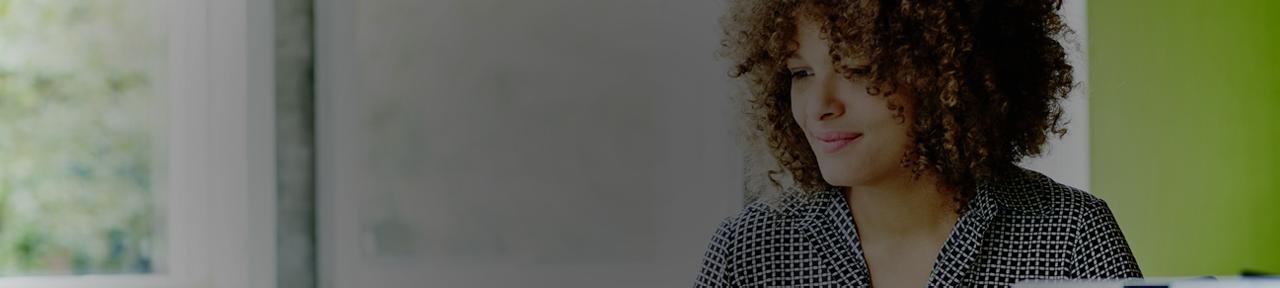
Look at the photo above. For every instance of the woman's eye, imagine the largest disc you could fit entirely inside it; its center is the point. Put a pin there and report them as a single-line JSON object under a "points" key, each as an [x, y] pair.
{"points": [[801, 74]]}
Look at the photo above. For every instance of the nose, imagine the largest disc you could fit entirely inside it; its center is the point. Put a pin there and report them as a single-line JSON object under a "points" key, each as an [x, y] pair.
{"points": [[824, 101]]}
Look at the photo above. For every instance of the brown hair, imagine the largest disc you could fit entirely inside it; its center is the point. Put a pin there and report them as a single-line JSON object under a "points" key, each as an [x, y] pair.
{"points": [[987, 79]]}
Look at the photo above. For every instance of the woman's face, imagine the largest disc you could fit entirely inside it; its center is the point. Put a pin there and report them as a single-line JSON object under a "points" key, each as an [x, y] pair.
{"points": [[857, 139]]}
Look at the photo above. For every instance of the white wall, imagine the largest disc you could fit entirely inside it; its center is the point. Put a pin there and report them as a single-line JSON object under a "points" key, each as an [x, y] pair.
{"points": [[520, 143], [1068, 158]]}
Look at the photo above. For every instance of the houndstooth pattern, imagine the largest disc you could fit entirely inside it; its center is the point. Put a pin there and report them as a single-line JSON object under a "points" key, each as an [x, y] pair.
{"points": [[1028, 228]]}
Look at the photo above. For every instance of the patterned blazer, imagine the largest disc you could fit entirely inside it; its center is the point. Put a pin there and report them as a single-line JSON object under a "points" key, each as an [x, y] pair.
{"points": [[1028, 228]]}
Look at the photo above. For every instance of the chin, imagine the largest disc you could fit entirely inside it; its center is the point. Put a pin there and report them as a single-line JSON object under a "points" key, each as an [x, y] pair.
{"points": [[840, 177], [855, 175]]}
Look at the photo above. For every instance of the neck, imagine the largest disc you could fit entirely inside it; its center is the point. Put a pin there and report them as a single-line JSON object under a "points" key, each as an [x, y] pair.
{"points": [[903, 207]]}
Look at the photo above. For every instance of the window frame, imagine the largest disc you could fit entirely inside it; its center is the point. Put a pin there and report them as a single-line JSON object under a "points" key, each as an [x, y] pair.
{"points": [[219, 216]]}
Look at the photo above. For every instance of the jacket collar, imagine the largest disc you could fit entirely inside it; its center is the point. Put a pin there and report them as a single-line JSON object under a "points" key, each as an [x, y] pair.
{"points": [[952, 267], [1022, 191], [828, 224]]}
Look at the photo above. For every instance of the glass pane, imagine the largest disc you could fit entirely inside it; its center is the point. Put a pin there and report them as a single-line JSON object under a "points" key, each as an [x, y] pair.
{"points": [[79, 136]]}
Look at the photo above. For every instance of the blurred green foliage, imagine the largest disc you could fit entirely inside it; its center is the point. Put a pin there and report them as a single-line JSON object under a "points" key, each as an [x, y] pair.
{"points": [[79, 132]]}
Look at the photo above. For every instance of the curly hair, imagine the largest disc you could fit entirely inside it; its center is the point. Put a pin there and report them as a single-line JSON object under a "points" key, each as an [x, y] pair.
{"points": [[987, 78]]}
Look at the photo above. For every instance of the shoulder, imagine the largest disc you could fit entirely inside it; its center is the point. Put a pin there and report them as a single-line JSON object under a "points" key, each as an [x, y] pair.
{"points": [[772, 215], [746, 245], [1061, 203], [1032, 195], [1096, 246], [1030, 192]]}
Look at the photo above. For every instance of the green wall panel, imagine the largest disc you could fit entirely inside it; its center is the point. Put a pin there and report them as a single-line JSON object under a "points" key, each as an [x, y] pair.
{"points": [[1185, 131]]}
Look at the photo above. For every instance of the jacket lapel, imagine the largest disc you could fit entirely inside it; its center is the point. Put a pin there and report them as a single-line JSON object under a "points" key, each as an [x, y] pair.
{"points": [[842, 254], [837, 247], [963, 245]]}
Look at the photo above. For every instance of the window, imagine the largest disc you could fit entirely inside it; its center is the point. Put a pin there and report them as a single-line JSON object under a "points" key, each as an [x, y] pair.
{"points": [[172, 90], [81, 83]]}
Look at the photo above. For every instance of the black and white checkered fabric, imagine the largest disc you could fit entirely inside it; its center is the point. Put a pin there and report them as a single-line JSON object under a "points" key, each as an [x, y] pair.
{"points": [[1028, 228]]}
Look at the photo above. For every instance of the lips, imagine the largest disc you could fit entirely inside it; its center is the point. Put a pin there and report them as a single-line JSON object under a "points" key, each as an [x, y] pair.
{"points": [[832, 141]]}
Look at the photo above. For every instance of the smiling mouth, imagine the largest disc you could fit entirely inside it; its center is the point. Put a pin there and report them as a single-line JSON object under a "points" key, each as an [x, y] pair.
{"points": [[831, 142]]}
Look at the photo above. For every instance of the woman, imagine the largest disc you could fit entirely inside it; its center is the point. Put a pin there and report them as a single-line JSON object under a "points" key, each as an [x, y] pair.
{"points": [[899, 125]]}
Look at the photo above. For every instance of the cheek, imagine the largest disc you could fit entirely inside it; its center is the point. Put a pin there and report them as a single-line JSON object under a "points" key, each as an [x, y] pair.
{"points": [[894, 129]]}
